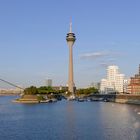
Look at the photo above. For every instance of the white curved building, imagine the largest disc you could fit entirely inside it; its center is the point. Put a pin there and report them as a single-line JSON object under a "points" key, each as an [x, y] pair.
{"points": [[114, 81]]}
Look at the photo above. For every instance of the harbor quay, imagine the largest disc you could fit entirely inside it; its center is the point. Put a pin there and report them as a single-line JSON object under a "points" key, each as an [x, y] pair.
{"points": [[124, 98], [119, 98]]}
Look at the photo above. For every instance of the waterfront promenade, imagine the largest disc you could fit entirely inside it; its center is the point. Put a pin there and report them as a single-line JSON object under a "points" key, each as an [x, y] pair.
{"points": [[120, 98]]}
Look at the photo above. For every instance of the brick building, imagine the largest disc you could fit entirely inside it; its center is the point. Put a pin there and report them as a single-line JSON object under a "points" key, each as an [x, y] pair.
{"points": [[134, 86]]}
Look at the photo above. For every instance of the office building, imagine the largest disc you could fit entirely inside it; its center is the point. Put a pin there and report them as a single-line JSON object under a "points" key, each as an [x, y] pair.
{"points": [[114, 81], [49, 82], [134, 86]]}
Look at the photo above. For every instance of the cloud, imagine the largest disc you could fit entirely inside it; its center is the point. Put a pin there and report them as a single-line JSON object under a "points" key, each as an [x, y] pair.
{"points": [[106, 62], [112, 60], [110, 55], [94, 55], [101, 60], [104, 65]]}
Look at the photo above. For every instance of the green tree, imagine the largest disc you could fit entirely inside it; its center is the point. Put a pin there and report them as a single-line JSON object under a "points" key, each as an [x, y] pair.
{"points": [[31, 90], [46, 90], [86, 91], [40, 98]]}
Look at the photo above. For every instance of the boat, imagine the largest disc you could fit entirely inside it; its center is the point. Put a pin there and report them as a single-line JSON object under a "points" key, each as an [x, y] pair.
{"points": [[94, 99], [44, 101], [80, 100], [138, 113], [48, 101], [71, 98], [105, 100]]}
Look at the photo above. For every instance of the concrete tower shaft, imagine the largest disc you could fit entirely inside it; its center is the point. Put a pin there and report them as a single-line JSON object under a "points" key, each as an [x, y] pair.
{"points": [[139, 69], [70, 38]]}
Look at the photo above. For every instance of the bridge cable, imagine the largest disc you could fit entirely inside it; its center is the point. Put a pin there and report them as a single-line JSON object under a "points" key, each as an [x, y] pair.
{"points": [[9, 83]]}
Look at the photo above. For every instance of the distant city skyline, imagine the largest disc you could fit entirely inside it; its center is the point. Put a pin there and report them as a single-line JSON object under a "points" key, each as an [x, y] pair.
{"points": [[33, 46]]}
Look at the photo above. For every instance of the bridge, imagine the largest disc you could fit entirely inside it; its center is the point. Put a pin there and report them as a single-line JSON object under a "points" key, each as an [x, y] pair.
{"points": [[3, 92]]}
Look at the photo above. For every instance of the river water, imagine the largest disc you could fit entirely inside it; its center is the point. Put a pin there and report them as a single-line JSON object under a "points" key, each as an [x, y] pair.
{"points": [[68, 120]]}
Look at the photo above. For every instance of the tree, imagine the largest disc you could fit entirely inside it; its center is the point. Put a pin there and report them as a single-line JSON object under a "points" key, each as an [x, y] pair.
{"points": [[40, 98], [86, 91], [31, 90], [46, 90]]}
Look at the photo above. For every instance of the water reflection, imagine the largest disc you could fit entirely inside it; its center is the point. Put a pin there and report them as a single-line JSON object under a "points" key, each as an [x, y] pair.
{"points": [[69, 120], [120, 121]]}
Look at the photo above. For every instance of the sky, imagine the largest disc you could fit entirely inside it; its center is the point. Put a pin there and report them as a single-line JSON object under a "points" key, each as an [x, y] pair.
{"points": [[33, 44]]}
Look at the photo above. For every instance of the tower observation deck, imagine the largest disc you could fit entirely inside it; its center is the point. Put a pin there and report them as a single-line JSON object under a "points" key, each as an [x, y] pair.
{"points": [[70, 38]]}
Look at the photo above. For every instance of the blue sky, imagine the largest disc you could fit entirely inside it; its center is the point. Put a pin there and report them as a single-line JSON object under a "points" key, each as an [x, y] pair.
{"points": [[33, 46]]}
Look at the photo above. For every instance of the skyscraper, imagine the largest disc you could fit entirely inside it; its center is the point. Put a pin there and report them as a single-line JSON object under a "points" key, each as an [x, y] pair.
{"points": [[70, 41], [49, 82]]}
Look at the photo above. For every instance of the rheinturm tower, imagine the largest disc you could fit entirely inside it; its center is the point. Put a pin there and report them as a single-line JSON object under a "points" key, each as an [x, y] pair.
{"points": [[70, 40]]}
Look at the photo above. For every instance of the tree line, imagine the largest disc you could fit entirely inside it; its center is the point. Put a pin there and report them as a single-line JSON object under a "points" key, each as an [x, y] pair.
{"points": [[49, 90]]}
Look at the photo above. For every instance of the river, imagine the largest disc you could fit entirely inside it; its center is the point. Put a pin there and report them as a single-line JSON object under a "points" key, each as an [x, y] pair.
{"points": [[68, 120]]}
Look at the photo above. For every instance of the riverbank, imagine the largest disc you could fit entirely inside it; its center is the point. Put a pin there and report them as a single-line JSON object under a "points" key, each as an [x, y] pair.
{"points": [[27, 99], [120, 98], [128, 99], [9, 94], [33, 99], [123, 98]]}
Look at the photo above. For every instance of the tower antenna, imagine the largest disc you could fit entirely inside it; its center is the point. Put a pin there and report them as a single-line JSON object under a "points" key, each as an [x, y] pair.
{"points": [[70, 25]]}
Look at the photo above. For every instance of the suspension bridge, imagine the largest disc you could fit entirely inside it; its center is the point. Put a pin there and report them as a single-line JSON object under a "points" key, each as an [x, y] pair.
{"points": [[12, 84]]}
